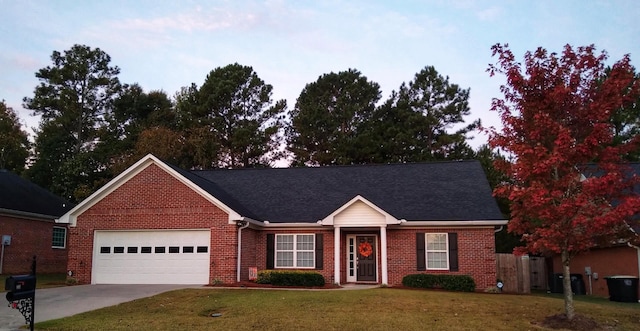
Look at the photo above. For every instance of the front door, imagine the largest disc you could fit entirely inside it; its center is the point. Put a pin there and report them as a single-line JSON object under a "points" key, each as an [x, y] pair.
{"points": [[366, 258]]}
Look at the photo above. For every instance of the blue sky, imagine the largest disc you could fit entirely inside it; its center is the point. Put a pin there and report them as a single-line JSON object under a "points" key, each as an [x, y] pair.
{"points": [[164, 45]]}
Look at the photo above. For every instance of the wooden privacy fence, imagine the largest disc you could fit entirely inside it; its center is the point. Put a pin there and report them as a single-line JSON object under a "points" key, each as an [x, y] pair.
{"points": [[521, 274]]}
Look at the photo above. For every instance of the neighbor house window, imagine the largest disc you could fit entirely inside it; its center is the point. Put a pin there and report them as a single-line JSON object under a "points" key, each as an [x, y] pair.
{"points": [[295, 251], [59, 237], [437, 253]]}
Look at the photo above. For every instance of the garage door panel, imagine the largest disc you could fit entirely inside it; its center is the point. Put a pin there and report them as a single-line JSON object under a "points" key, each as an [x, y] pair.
{"points": [[151, 257]]}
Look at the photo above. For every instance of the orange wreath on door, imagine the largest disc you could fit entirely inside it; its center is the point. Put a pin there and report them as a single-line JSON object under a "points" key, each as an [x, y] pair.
{"points": [[365, 249]]}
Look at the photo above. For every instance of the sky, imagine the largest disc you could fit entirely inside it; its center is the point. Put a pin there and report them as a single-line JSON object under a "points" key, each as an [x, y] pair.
{"points": [[165, 45]]}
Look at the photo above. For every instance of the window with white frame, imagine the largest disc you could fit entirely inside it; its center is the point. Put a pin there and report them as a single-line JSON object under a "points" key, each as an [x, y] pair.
{"points": [[59, 239], [437, 251], [295, 251]]}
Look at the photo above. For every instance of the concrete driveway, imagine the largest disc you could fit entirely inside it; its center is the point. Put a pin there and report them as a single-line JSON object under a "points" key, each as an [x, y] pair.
{"points": [[58, 302]]}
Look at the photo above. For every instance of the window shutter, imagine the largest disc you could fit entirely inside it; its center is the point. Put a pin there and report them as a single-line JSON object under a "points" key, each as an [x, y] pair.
{"points": [[319, 251], [271, 245], [420, 253], [453, 251]]}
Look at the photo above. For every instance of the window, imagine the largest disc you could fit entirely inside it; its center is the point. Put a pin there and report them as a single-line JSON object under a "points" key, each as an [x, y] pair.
{"points": [[295, 251], [118, 250], [59, 237], [202, 249], [145, 250], [187, 249], [159, 249], [174, 249], [132, 250], [437, 251], [105, 250]]}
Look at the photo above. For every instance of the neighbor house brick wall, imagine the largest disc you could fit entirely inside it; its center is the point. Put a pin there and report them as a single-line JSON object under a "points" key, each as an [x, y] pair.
{"points": [[153, 199], [610, 261], [476, 254], [28, 238]]}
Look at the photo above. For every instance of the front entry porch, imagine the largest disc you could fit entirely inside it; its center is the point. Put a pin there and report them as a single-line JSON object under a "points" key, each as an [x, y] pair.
{"points": [[361, 258], [363, 255]]}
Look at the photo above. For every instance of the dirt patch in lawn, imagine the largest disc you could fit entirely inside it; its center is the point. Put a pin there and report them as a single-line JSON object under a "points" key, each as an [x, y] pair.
{"points": [[579, 322]]}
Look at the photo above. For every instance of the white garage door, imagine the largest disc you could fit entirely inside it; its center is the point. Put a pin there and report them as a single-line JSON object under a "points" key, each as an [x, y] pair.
{"points": [[151, 257]]}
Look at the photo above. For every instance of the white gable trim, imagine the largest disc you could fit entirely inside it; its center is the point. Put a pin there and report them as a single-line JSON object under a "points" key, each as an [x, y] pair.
{"points": [[71, 216], [389, 219]]}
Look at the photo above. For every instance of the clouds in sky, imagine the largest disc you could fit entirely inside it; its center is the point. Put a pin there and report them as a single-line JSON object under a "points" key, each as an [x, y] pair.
{"points": [[169, 44]]}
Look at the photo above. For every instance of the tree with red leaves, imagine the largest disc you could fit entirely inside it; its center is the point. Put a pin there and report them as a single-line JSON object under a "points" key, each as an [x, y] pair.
{"points": [[570, 189]]}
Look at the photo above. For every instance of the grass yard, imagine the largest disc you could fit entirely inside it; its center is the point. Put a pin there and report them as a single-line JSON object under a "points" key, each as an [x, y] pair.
{"points": [[375, 309], [43, 280]]}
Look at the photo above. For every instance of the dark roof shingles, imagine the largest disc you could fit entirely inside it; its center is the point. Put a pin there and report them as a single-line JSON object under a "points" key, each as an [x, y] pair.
{"points": [[415, 191], [21, 195]]}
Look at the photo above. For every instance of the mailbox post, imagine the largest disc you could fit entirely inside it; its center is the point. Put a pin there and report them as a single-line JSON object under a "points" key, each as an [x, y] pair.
{"points": [[21, 293]]}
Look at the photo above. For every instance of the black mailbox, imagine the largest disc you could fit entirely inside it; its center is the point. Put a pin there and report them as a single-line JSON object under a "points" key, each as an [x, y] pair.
{"points": [[15, 296], [20, 283]]}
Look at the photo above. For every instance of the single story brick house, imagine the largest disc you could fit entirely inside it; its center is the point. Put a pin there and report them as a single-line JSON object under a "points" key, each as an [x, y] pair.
{"points": [[622, 258], [27, 227], [156, 223]]}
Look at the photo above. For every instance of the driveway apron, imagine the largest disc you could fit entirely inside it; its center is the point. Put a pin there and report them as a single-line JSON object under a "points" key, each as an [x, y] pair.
{"points": [[58, 302]]}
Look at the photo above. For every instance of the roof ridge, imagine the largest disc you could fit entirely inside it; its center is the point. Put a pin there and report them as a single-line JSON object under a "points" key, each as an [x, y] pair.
{"points": [[367, 165]]}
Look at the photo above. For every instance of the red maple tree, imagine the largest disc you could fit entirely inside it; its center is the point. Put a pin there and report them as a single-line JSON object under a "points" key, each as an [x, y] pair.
{"points": [[570, 189]]}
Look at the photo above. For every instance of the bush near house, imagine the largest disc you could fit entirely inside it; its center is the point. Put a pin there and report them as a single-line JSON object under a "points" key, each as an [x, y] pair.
{"points": [[461, 283], [290, 278]]}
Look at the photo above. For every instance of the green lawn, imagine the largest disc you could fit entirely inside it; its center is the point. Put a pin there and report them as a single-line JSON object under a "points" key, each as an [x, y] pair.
{"points": [[374, 309], [43, 280]]}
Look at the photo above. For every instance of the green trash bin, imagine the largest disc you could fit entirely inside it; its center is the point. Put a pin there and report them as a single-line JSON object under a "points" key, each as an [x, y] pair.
{"points": [[623, 288]]}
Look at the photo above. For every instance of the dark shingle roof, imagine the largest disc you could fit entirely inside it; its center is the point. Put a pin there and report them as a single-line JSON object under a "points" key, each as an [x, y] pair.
{"points": [[416, 191], [20, 195]]}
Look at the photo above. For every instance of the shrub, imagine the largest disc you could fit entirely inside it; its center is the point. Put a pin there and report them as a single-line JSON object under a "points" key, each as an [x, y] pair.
{"points": [[462, 283], [290, 278]]}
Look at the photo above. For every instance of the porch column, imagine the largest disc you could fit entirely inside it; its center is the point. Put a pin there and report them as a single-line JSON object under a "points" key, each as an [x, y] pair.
{"points": [[336, 255], [383, 252]]}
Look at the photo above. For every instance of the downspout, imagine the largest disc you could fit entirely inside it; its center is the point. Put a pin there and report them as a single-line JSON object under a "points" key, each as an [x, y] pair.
{"points": [[241, 225], [638, 254], [498, 229]]}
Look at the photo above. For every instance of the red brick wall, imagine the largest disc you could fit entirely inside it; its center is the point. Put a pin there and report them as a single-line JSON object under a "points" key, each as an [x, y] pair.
{"points": [[606, 262], [248, 258], [154, 199], [476, 254], [29, 238], [260, 249]]}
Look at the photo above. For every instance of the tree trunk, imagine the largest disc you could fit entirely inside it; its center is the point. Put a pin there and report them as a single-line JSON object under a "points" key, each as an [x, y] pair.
{"points": [[566, 285]]}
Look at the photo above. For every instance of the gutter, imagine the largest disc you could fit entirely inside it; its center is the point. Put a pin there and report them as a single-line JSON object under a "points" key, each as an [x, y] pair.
{"points": [[454, 223], [241, 225], [26, 214]]}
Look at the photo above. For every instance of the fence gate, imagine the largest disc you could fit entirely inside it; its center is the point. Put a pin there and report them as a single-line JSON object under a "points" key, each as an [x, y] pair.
{"points": [[514, 273], [537, 267]]}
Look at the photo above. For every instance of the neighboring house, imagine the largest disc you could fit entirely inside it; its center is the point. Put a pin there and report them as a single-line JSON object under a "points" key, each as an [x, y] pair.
{"points": [[156, 223], [620, 259], [27, 227]]}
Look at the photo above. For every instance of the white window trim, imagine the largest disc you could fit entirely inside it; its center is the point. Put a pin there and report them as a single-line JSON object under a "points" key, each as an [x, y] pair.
{"points": [[426, 250], [295, 251], [64, 244]]}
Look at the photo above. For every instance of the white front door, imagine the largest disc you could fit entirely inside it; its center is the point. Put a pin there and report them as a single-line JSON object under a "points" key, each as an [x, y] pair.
{"points": [[151, 257]]}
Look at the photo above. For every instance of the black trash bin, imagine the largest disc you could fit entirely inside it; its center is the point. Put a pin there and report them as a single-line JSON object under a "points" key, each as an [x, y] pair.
{"points": [[577, 284], [555, 283], [623, 288]]}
